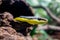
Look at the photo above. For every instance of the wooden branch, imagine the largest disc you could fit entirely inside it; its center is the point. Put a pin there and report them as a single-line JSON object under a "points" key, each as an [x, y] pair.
{"points": [[47, 27], [56, 19]]}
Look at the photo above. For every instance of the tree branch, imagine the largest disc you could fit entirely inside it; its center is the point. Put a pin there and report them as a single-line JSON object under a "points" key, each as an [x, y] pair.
{"points": [[46, 27], [56, 19]]}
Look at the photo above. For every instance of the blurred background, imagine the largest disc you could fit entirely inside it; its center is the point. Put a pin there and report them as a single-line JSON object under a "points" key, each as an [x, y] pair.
{"points": [[52, 5], [49, 9]]}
